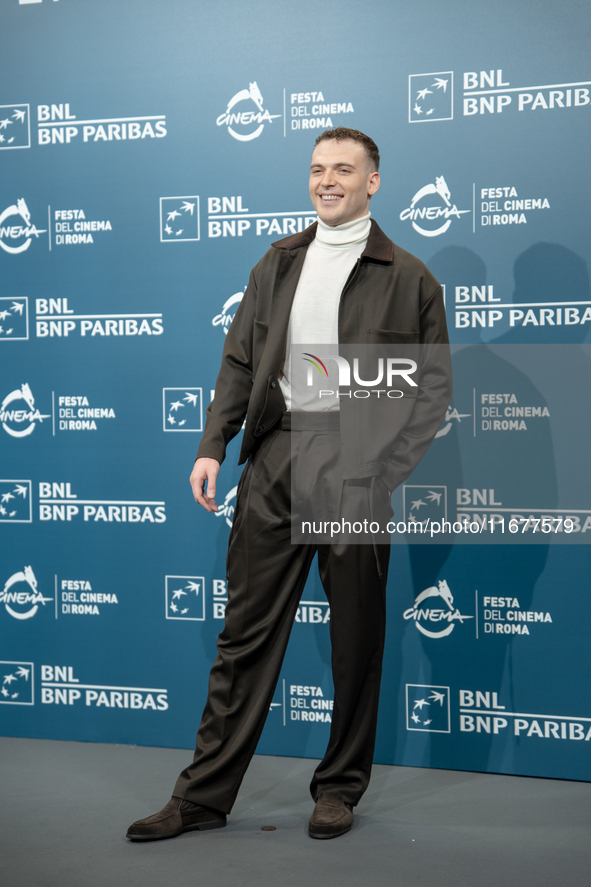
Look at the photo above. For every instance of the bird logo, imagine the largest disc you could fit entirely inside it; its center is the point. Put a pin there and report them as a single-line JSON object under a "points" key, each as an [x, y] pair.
{"points": [[17, 686], [179, 218], [182, 409], [427, 708], [426, 504], [14, 127], [429, 96], [186, 598]]}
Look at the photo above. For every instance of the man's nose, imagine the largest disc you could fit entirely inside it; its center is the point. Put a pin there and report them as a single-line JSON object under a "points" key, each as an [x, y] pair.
{"points": [[328, 179]]}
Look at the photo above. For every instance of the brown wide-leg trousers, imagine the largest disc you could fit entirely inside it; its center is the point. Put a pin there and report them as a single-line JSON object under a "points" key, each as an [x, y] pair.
{"points": [[266, 577]]}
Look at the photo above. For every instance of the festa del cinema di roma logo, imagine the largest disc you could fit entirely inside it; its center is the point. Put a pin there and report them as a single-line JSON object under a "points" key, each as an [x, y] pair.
{"points": [[229, 308], [430, 216], [22, 604], [241, 120], [448, 614], [20, 234], [12, 419]]}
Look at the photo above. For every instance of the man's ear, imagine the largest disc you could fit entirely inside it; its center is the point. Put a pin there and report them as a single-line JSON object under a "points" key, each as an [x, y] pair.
{"points": [[373, 184]]}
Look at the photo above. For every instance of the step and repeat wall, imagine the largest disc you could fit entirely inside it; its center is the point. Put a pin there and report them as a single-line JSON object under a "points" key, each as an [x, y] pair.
{"points": [[150, 153]]}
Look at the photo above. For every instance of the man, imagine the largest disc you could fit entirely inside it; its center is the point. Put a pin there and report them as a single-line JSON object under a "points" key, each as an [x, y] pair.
{"points": [[341, 281]]}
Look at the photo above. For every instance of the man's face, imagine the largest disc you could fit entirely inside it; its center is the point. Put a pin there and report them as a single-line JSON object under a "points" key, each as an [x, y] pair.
{"points": [[341, 181]]}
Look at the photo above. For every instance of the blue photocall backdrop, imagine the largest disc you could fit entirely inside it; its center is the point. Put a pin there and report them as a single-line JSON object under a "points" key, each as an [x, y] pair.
{"points": [[151, 151]]}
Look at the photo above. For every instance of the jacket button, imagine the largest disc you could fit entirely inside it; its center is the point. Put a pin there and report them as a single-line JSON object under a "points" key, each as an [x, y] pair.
{"points": [[260, 429], [273, 384]]}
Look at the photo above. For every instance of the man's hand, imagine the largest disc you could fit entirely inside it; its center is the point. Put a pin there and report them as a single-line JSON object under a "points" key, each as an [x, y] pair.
{"points": [[205, 470]]}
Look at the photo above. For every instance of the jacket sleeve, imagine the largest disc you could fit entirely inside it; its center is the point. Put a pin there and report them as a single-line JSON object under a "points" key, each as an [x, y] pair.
{"points": [[225, 414], [432, 399]]}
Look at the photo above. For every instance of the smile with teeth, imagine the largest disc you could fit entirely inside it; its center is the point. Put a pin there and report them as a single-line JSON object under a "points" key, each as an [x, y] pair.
{"points": [[331, 196]]}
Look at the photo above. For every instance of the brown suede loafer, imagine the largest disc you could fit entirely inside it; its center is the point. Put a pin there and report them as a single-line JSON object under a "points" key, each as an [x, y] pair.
{"points": [[178, 816], [331, 817]]}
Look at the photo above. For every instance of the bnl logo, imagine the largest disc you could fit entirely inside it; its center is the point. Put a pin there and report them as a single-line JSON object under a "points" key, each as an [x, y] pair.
{"points": [[185, 598], [179, 219], [15, 126], [182, 409], [430, 97], [15, 502], [427, 708], [17, 683], [14, 318], [421, 502]]}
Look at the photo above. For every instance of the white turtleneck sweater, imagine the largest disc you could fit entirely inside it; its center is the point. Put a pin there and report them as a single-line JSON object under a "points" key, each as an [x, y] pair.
{"points": [[314, 314]]}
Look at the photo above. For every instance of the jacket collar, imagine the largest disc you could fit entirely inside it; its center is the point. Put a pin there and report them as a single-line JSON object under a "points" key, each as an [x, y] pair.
{"points": [[378, 246]]}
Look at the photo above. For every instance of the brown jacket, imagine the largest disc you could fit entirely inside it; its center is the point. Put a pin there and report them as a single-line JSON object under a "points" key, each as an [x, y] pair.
{"points": [[390, 298]]}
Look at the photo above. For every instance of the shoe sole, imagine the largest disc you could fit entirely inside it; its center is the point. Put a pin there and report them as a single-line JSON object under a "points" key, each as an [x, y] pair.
{"points": [[199, 826], [324, 837]]}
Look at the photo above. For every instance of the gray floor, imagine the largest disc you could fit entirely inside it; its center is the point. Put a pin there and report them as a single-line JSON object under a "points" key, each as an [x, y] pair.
{"points": [[66, 807]]}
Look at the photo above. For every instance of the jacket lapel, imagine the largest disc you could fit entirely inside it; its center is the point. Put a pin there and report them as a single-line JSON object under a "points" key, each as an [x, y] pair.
{"points": [[288, 274], [266, 391]]}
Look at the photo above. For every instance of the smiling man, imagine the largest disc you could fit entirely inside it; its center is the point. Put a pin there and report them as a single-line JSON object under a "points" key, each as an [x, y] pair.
{"points": [[340, 282], [343, 178]]}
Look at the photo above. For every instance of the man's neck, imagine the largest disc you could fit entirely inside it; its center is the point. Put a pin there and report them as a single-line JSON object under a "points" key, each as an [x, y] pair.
{"points": [[346, 234]]}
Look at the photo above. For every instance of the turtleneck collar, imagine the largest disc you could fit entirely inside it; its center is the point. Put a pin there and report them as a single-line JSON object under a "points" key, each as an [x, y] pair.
{"points": [[345, 235]]}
